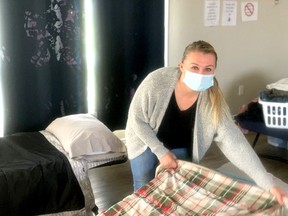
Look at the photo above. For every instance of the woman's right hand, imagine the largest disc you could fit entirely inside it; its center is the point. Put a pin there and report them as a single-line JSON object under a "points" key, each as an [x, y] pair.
{"points": [[169, 161], [279, 194]]}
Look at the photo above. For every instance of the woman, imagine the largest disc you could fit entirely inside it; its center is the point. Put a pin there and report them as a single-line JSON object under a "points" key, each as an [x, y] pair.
{"points": [[177, 112]]}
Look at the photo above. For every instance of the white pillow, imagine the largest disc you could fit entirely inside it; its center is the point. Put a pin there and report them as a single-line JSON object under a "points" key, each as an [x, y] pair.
{"points": [[82, 134]]}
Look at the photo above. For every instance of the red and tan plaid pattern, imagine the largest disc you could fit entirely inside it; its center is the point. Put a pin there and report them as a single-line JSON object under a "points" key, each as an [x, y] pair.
{"points": [[195, 190]]}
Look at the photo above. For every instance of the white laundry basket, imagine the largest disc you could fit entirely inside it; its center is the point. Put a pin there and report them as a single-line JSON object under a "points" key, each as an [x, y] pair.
{"points": [[275, 114]]}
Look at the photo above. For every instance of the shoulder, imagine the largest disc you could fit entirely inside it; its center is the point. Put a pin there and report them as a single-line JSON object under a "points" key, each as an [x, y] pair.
{"points": [[161, 76], [157, 83], [164, 72]]}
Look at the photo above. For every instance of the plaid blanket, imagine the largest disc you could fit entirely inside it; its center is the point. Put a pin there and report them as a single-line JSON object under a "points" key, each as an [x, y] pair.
{"points": [[195, 190]]}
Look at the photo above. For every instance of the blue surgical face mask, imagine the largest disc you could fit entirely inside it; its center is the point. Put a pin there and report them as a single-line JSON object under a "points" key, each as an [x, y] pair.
{"points": [[198, 82]]}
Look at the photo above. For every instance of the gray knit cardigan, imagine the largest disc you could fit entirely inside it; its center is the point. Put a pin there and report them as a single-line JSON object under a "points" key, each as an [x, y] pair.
{"points": [[148, 107]]}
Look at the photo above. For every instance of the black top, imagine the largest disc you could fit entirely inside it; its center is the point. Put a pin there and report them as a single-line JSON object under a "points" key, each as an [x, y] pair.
{"points": [[176, 129]]}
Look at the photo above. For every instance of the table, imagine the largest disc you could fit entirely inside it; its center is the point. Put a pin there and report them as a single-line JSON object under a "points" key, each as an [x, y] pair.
{"points": [[258, 126]]}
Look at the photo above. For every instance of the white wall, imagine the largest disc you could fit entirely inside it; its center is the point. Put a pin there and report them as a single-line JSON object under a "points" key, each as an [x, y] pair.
{"points": [[252, 54]]}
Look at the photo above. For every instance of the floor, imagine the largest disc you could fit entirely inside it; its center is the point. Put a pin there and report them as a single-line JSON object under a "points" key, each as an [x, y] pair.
{"points": [[112, 183]]}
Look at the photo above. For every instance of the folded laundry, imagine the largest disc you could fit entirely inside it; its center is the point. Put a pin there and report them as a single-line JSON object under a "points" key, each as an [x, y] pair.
{"points": [[274, 95], [279, 85]]}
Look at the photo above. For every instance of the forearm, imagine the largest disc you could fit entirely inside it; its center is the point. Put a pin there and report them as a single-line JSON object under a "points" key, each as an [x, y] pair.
{"points": [[237, 149]]}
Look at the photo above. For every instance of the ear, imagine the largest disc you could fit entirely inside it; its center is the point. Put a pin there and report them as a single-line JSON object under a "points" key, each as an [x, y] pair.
{"points": [[181, 66]]}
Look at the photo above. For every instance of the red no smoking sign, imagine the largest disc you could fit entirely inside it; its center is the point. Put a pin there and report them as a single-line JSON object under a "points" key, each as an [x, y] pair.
{"points": [[249, 9]]}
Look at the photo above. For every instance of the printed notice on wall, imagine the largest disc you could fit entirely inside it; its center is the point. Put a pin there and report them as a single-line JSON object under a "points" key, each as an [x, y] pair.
{"points": [[229, 14], [212, 12], [249, 11]]}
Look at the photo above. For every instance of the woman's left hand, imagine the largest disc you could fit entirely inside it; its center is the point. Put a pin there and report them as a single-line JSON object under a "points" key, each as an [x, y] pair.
{"points": [[278, 193]]}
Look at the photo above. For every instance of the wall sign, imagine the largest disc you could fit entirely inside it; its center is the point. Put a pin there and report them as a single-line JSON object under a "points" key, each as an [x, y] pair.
{"points": [[249, 10], [212, 12], [229, 13]]}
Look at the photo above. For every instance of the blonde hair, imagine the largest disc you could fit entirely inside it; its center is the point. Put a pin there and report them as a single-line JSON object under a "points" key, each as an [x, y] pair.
{"points": [[217, 102], [216, 98], [201, 46]]}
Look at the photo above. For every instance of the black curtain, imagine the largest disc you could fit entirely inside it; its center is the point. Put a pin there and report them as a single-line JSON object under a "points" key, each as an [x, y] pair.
{"points": [[130, 44], [41, 66]]}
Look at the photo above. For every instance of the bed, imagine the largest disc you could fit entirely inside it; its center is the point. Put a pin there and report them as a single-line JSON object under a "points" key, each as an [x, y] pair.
{"points": [[192, 189], [46, 172]]}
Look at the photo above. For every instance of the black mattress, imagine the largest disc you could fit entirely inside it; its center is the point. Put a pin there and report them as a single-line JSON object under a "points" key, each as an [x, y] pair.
{"points": [[35, 178]]}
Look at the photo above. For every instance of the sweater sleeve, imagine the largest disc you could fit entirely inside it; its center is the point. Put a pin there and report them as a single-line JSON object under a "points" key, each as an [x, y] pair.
{"points": [[236, 148], [144, 118]]}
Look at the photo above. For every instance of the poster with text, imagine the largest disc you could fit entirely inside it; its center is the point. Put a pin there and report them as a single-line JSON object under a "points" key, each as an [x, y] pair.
{"points": [[229, 14], [212, 12]]}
